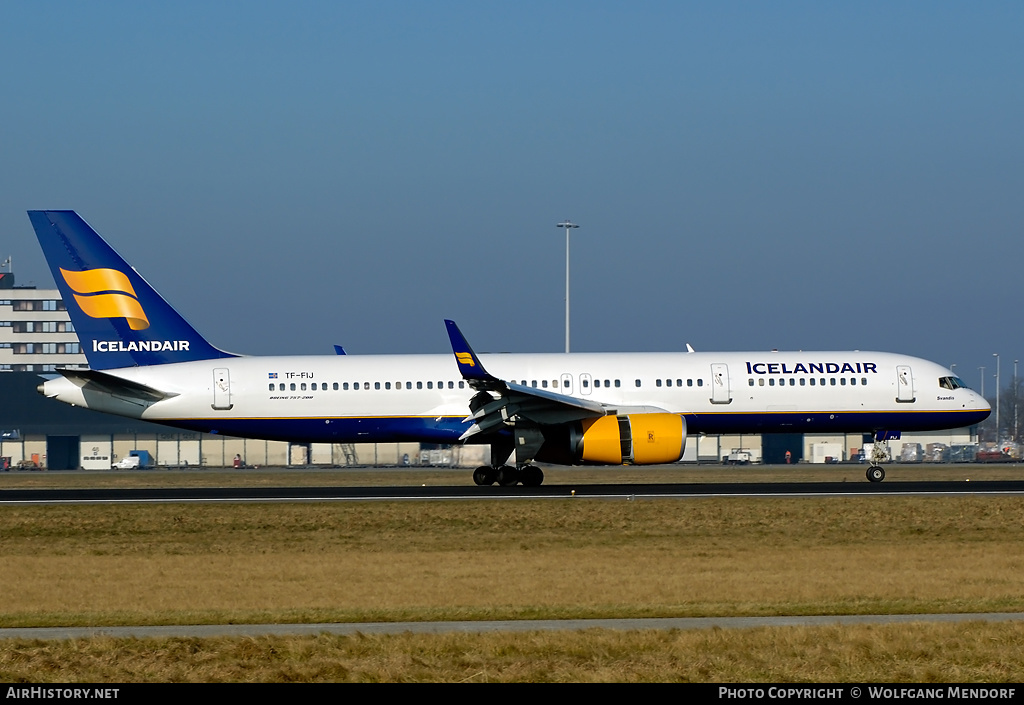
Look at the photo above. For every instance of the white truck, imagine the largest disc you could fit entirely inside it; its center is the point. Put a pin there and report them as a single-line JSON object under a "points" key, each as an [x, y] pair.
{"points": [[739, 456]]}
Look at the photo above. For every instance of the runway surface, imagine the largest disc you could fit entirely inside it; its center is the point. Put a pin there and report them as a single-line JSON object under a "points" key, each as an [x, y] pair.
{"points": [[472, 492], [254, 630]]}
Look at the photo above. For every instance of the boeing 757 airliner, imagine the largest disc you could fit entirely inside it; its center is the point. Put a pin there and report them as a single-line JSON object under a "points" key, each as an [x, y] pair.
{"points": [[147, 362]]}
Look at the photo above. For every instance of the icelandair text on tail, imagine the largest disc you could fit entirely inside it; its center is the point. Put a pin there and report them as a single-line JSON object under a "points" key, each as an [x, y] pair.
{"points": [[139, 345]]}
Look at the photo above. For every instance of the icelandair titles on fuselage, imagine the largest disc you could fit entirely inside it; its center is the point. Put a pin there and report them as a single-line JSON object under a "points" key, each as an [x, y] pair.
{"points": [[137, 346], [810, 368]]}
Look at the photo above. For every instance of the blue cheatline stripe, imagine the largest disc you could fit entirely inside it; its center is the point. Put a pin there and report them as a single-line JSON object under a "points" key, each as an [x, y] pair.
{"points": [[376, 429], [447, 429], [826, 422]]}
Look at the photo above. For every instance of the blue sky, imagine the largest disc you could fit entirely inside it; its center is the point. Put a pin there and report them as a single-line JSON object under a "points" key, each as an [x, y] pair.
{"points": [[792, 175]]}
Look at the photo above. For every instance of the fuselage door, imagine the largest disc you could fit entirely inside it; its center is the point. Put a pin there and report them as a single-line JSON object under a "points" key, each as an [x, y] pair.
{"points": [[221, 389], [721, 391], [904, 385]]}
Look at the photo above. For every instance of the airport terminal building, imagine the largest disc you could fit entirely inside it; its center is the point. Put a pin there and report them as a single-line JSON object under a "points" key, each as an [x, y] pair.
{"points": [[37, 336]]}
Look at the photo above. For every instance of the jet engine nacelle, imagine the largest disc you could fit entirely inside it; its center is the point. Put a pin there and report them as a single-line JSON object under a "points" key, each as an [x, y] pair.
{"points": [[638, 439]]}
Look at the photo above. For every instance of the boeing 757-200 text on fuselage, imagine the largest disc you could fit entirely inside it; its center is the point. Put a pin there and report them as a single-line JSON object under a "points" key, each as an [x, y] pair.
{"points": [[147, 362]]}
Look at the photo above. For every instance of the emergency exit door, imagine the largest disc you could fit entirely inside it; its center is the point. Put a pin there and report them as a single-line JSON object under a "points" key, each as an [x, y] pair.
{"points": [[221, 389], [721, 390]]}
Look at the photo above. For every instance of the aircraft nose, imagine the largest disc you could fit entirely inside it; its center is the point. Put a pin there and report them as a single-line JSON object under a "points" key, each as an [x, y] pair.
{"points": [[982, 406]]}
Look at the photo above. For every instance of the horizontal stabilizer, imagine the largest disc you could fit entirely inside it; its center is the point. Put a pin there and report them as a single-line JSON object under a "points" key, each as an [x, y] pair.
{"points": [[115, 386]]}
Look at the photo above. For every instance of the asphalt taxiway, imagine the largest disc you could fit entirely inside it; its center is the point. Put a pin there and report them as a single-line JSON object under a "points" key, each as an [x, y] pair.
{"points": [[494, 493]]}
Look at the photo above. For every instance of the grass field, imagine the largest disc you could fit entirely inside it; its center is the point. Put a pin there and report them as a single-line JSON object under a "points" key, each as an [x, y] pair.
{"points": [[390, 561]]}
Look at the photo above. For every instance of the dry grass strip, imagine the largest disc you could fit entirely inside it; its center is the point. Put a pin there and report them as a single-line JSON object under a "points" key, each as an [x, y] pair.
{"points": [[159, 564], [905, 653]]}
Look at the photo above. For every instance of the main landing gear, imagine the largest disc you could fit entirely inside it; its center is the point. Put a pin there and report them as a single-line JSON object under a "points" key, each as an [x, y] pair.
{"points": [[509, 475]]}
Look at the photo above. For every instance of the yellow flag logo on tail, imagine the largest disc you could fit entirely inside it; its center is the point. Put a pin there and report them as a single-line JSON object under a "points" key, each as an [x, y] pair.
{"points": [[123, 304], [465, 358]]}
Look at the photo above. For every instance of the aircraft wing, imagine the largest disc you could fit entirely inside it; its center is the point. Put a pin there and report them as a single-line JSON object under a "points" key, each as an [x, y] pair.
{"points": [[115, 386], [499, 403]]}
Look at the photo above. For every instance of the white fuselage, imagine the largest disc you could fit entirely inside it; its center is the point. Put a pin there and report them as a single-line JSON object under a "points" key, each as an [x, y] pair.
{"points": [[351, 398]]}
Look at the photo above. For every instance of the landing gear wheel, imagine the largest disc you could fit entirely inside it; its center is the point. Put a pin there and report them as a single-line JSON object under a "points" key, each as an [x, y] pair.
{"points": [[484, 475], [532, 476], [508, 476], [876, 473]]}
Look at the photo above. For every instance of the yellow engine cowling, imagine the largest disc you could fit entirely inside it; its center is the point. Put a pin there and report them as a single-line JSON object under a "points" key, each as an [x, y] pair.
{"points": [[638, 439]]}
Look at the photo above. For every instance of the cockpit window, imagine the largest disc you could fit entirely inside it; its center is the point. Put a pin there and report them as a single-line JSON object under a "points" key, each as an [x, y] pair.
{"points": [[951, 383]]}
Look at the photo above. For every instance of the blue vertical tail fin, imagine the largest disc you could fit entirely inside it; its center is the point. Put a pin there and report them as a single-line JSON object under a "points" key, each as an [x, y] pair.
{"points": [[121, 321]]}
